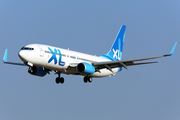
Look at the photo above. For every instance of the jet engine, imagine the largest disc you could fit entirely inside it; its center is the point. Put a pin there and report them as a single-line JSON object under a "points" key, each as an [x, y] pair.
{"points": [[38, 71], [85, 68]]}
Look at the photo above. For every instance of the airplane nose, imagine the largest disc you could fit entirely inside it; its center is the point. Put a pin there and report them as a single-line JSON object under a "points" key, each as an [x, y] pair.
{"points": [[21, 55]]}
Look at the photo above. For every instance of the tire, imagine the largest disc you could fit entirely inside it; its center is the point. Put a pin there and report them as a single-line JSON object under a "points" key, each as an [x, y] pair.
{"points": [[85, 79], [61, 80], [57, 80], [90, 79]]}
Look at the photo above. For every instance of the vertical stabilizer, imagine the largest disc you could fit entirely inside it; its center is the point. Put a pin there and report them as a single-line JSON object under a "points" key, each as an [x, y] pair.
{"points": [[115, 52]]}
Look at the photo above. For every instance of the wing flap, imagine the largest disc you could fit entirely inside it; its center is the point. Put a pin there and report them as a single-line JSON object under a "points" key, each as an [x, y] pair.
{"points": [[142, 63]]}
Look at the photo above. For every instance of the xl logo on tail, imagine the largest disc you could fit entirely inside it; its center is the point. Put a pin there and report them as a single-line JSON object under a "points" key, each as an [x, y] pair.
{"points": [[54, 57], [116, 54]]}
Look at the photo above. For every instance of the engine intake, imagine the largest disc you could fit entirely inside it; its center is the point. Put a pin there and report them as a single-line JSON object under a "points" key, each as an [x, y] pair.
{"points": [[85, 68], [38, 71]]}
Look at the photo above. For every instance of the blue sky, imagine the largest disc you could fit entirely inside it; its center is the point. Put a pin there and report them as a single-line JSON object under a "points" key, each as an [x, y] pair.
{"points": [[139, 93]]}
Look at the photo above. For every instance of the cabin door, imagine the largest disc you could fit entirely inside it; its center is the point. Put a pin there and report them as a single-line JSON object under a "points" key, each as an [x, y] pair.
{"points": [[41, 51]]}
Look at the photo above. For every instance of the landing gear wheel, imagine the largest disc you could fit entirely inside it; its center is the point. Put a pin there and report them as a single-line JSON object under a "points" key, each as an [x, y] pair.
{"points": [[90, 79], [61, 80], [85, 79], [57, 80]]}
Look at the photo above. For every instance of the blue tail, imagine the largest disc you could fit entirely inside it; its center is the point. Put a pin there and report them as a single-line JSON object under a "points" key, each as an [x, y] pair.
{"points": [[115, 52]]}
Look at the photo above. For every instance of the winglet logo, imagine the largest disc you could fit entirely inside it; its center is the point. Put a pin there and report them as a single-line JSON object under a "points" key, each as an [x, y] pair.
{"points": [[53, 57]]}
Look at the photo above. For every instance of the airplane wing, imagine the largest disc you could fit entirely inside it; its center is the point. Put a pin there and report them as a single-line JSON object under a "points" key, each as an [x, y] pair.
{"points": [[124, 63], [12, 63]]}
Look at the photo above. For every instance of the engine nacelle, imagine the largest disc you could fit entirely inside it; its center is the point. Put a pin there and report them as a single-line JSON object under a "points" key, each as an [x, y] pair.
{"points": [[38, 71], [85, 68]]}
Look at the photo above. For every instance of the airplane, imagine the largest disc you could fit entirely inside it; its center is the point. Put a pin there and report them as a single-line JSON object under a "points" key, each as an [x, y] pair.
{"points": [[41, 59]]}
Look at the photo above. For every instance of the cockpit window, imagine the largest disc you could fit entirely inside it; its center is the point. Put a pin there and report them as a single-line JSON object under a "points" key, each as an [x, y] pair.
{"points": [[27, 48]]}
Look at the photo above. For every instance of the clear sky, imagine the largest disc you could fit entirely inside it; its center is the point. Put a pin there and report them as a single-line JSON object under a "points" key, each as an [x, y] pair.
{"points": [[148, 92]]}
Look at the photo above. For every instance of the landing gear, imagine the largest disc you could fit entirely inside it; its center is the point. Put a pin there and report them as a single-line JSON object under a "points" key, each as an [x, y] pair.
{"points": [[59, 79], [87, 79]]}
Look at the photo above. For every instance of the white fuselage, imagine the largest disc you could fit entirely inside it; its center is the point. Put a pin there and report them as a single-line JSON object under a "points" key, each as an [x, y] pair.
{"points": [[59, 59]]}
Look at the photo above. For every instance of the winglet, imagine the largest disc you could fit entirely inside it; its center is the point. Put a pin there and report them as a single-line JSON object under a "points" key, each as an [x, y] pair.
{"points": [[12, 63], [173, 49], [5, 56]]}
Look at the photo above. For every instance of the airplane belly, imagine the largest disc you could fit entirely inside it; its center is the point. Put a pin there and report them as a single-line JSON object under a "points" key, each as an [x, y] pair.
{"points": [[105, 72]]}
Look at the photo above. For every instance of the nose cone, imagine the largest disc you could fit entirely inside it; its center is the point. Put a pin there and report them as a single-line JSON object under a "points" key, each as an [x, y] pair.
{"points": [[21, 55]]}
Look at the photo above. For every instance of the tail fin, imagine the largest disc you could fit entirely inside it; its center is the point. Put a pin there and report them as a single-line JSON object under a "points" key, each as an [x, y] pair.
{"points": [[115, 52]]}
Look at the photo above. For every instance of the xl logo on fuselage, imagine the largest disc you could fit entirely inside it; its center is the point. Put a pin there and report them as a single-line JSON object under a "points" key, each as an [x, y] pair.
{"points": [[55, 58]]}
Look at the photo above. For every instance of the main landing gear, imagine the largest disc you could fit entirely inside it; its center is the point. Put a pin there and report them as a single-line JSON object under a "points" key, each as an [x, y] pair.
{"points": [[59, 79], [87, 79]]}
